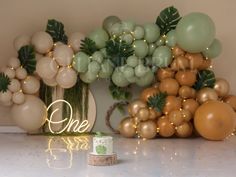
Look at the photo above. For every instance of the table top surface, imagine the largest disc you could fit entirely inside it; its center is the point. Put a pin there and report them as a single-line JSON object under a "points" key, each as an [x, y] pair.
{"points": [[44, 156]]}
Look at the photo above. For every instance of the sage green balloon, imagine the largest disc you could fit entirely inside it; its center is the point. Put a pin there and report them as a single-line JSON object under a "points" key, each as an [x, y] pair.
{"points": [[119, 79], [151, 48], [138, 32], [161, 41], [109, 21], [115, 29], [94, 67], [88, 77], [106, 69], [140, 70], [162, 56], [127, 26], [128, 38], [152, 32], [171, 39], [80, 62], [104, 52], [140, 48], [132, 61], [132, 79], [100, 37], [146, 80], [195, 32], [97, 56], [128, 72], [214, 50]]}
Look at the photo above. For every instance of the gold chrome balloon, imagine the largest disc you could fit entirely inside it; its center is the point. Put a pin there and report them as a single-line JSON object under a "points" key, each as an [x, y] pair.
{"points": [[127, 127], [147, 129], [206, 94], [222, 87]]}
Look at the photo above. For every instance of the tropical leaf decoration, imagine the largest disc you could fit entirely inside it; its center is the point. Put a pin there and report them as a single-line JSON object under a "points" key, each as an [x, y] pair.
{"points": [[205, 78], [157, 101], [100, 149], [118, 51], [4, 82], [88, 46], [56, 30], [119, 93], [26, 55], [168, 19]]}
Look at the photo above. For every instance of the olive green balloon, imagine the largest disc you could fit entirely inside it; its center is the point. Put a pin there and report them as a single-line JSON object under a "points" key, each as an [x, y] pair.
{"points": [[151, 48], [109, 21], [80, 62], [132, 61], [94, 67], [171, 38], [213, 50], [152, 32], [162, 56], [100, 37], [97, 56], [128, 38], [195, 32], [140, 48]]}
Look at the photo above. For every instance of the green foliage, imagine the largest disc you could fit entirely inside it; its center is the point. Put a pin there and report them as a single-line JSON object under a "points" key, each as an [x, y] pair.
{"points": [[4, 82], [56, 30], [205, 78], [119, 93], [88, 46], [100, 149], [118, 51], [157, 101], [168, 19], [26, 54]]}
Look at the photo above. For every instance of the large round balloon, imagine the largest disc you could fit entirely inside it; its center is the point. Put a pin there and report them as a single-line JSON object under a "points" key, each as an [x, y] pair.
{"points": [[42, 42], [30, 85], [100, 37], [213, 50], [195, 32], [215, 120], [30, 115]]}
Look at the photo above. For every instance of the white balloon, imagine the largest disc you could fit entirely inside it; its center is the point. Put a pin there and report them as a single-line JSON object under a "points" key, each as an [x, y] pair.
{"points": [[10, 72], [74, 40], [63, 55], [42, 42], [46, 68], [21, 73], [66, 77], [21, 41], [5, 96], [30, 85], [50, 82], [18, 98], [14, 62], [30, 115], [14, 85]]}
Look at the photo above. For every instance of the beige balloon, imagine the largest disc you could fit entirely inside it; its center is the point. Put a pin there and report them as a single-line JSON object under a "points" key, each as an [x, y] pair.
{"points": [[14, 85], [63, 55], [222, 87], [21, 41], [206, 94], [18, 98], [38, 56], [30, 115], [13, 62], [42, 42], [10, 72], [9, 103], [47, 68], [5, 97], [50, 82], [21, 73], [66, 77], [30, 85], [74, 40]]}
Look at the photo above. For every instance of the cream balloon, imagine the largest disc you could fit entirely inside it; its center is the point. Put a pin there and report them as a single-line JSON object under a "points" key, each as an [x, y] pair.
{"points": [[14, 85], [30, 115], [18, 98], [47, 68], [66, 77], [42, 42], [74, 40], [21, 73], [10, 72], [21, 41], [63, 55], [5, 96], [50, 82], [30, 85], [13, 62]]}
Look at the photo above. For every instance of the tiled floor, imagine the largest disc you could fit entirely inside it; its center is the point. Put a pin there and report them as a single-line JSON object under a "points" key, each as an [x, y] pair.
{"points": [[43, 156]]}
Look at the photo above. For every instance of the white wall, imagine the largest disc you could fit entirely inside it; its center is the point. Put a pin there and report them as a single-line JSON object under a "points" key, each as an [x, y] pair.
{"points": [[29, 16]]}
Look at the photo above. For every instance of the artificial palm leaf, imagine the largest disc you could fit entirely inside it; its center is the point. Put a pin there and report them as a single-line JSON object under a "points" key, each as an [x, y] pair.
{"points": [[168, 19], [26, 54], [56, 30], [157, 101], [88, 46], [205, 78], [4, 82], [119, 93]]}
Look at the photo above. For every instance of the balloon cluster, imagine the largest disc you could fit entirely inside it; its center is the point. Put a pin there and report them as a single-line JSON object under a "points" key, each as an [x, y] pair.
{"points": [[186, 95]]}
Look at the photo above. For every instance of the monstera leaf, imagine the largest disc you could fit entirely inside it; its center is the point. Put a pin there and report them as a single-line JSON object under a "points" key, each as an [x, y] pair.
{"points": [[26, 54], [157, 101], [168, 19], [56, 30], [4, 82], [205, 78], [100, 149]]}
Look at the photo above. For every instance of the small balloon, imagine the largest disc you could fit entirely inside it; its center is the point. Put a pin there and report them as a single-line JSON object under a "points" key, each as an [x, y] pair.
{"points": [[5, 97], [138, 32], [184, 130], [166, 129], [100, 37], [143, 114], [42, 42], [172, 103], [148, 92], [134, 107], [176, 117], [18, 98], [47, 68], [80, 62], [106, 69], [14, 62], [127, 127], [214, 50], [171, 39], [195, 60], [10, 72], [14, 85], [187, 77], [190, 105], [222, 87], [127, 26], [30, 85], [162, 56], [109, 21], [151, 32], [147, 129], [63, 55], [170, 86], [140, 48], [206, 94], [119, 79], [21, 73], [74, 40], [66, 77]]}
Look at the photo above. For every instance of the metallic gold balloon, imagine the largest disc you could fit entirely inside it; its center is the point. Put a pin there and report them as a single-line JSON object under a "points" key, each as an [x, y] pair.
{"points": [[153, 114], [190, 105], [169, 86], [127, 127], [148, 92], [215, 120], [222, 87], [166, 128], [187, 77], [206, 94], [187, 92], [195, 60], [135, 106], [164, 73], [187, 115], [177, 51], [184, 130], [143, 114], [172, 103], [182, 62], [231, 100], [176, 117], [147, 129], [205, 64]]}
